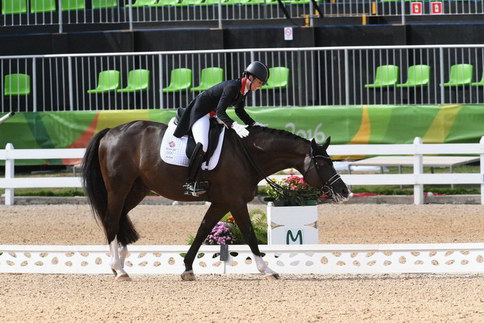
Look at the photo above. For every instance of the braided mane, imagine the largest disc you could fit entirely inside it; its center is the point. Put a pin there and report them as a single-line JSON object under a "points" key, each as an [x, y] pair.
{"points": [[279, 132]]}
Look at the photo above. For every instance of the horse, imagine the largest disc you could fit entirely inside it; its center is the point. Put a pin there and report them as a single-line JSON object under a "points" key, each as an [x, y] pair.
{"points": [[122, 164]]}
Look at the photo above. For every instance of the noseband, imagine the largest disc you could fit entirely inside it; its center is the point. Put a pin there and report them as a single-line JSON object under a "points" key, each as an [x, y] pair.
{"points": [[327, 187]]}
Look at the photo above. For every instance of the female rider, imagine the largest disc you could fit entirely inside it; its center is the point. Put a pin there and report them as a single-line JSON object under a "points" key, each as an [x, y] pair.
{"points": [[214, 103]]}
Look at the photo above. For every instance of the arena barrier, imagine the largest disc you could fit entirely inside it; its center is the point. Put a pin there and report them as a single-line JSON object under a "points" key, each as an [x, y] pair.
{"points": [[457, 258], [418, 179]]}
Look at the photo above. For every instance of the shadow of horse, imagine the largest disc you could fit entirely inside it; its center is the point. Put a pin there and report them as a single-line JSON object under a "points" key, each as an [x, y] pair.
{"points": [[121, 165]]}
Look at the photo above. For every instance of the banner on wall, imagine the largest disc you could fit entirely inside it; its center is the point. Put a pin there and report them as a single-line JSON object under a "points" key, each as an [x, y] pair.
{"points": [[345, 124]]}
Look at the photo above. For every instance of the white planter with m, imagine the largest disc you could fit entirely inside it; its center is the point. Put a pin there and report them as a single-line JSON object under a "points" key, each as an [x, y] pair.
{"points": [[292, 224]]}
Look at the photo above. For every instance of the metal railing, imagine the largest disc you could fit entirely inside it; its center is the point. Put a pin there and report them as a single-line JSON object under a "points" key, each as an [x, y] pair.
{"points": [[330, 76], [418, 179], [129, 12]]}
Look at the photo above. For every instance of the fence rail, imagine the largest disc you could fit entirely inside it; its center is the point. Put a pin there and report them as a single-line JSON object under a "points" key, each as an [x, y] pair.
{"points": [[404, 75], [294, 259], [418, 179], [63, 13]]}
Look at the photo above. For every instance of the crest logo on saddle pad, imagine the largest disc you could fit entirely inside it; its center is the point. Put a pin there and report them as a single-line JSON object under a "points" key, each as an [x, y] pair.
{"points": [[172, 150]]}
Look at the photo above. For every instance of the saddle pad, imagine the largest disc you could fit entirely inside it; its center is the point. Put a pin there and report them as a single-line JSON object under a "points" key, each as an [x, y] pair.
{"points": [[172, 149]]}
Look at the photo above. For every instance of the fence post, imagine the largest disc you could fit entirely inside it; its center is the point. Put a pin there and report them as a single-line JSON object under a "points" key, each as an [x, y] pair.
{"points": [[9, 173], [481, 143], [418, 189], [219, 8]]}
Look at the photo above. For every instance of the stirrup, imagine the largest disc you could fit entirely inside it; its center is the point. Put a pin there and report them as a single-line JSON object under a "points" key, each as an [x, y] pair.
{"points": [[195, 188]]}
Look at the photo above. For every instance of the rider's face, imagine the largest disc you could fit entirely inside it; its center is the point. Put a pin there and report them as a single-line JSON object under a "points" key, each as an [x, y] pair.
{"points": [[256, 84]]}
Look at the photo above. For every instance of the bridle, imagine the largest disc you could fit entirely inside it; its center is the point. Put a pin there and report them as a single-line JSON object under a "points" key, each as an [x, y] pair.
{"points": [[326, 189]]}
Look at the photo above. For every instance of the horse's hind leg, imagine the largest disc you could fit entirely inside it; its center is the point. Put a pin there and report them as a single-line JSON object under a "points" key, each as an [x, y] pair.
{"points": [[213, 215], [121, 231]]}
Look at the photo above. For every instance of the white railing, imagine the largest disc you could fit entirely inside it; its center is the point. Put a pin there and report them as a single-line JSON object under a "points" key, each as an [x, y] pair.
{"points": [[293, 259], [317, 76], [418, 179], [214, 13]]}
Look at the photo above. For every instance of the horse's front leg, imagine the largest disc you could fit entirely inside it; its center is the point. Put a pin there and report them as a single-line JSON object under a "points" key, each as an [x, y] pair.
{"points": [[213, 215], [241, 216]]}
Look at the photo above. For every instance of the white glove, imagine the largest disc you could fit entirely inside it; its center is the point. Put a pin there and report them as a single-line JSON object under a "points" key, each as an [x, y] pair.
{"points": [[240, 130], [259, 124]]}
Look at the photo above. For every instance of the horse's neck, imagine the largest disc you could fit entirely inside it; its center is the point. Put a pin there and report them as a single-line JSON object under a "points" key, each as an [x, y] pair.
{"points": [[281, 154]]}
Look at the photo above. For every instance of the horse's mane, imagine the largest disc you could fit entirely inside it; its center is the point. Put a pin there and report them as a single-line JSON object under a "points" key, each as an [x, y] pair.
{"points": [[278, 132]]}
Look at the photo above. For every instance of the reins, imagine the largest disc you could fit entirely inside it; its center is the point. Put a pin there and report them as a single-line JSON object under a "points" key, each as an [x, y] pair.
{"points": [[325, 189]]}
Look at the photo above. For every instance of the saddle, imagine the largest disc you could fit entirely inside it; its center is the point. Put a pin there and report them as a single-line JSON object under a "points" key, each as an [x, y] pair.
{"points": [[213, 135]]}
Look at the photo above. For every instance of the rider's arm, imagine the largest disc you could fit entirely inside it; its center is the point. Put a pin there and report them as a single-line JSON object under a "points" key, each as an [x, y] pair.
{"points": [[242, 114], [229, 92]]}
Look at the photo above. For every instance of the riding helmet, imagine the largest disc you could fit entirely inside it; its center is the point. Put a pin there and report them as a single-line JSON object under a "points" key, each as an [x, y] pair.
{"points": [[259, 70]]}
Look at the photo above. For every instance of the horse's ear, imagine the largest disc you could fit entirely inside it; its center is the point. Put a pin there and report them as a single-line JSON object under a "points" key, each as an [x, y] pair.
{"points": [[326, 143], [314, 145]]}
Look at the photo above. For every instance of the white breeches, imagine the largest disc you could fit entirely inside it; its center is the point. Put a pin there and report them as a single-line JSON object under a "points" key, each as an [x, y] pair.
{"points": [[200, 131]]}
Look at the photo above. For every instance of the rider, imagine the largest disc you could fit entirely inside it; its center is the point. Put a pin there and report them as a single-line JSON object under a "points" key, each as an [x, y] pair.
{"points": [[212, 103]]}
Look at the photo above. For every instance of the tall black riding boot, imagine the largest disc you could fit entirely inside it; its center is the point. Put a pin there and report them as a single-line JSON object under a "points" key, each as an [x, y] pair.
{"points": [[192, 186]]}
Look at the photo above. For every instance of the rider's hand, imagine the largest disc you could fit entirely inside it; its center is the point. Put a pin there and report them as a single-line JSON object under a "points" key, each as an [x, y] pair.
{"points": [[259, 124], [240, 130]]}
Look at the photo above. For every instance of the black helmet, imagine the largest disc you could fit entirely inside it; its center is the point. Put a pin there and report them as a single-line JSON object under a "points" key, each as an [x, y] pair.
{"points": [[259, 70]]}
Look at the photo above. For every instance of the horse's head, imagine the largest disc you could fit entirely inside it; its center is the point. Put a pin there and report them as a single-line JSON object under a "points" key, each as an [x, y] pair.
{"points": [[319, 172]]}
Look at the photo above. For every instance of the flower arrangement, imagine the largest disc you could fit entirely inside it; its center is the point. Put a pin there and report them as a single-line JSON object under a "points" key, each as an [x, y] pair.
{"points": [[295, 192], [226, 230]]}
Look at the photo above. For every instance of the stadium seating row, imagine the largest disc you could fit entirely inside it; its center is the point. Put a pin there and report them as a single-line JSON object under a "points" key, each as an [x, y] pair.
{"points": [[419, 75], [39, 6], [139, 79]]}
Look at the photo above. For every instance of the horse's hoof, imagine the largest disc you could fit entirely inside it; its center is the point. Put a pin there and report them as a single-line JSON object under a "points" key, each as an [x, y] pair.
{"points": [[114, 272], [123, 278], [188, 276], [273, 276]]}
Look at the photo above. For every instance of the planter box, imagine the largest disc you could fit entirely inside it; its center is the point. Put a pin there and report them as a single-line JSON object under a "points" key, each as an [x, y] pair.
{"points": [[292, 224]]}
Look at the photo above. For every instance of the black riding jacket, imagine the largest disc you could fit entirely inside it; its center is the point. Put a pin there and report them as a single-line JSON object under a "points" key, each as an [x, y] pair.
{"points": [[217, 98]]}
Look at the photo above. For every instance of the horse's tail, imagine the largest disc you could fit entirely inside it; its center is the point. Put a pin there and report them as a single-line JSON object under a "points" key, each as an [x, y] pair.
{"points": [[92, 179]]}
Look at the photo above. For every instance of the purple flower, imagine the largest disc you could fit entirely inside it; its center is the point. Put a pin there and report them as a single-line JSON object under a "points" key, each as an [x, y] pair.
{"points": [[220, 234]]}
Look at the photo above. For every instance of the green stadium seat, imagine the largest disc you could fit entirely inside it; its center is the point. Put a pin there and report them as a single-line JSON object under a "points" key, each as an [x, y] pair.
{"points": [[460, 74], [162, 3], [39, 6], [141, 3], [138, 80], [191, 2], [180, 79], [14, 6], [108, 81], [68, 5], [101, 4], [386, 75], [17, 84], [278, 78], [417, 75], [210, 76], [480, 83]]}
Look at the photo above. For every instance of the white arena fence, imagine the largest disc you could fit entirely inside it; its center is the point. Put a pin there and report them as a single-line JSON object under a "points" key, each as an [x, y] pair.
{"points": [[418, 178], [129, 13], [318, 76], [456, 258]]}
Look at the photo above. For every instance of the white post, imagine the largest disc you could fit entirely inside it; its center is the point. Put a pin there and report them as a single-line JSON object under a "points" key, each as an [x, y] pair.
{"points": [[418, 189], [9, 173], [481, 143]]}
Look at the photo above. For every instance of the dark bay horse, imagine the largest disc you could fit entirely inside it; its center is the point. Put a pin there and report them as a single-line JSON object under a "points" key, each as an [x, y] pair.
{"points": [[121, 165]]}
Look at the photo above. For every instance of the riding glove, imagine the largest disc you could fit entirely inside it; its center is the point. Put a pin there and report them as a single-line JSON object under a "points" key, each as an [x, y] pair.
{"points": [[259, 124], [240, 130]]}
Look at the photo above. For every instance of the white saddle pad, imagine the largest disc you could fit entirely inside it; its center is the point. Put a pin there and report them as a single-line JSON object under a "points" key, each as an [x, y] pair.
{"points": [[172, 149]]}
